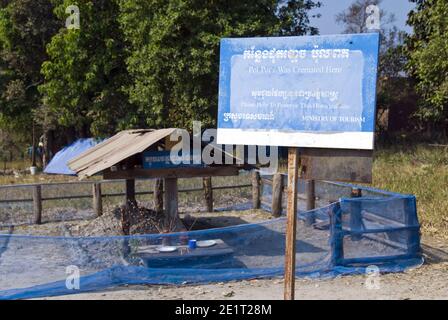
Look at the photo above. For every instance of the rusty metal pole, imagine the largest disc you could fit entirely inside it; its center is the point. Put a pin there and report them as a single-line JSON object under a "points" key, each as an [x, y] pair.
{"points": [[291, 224]]}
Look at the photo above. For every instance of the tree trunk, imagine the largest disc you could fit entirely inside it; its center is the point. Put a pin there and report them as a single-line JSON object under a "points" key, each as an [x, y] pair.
{"points": [[33, 150]]}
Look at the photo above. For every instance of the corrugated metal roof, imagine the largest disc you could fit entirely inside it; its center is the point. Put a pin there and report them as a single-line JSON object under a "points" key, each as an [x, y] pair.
{"points": [[115, 149]]}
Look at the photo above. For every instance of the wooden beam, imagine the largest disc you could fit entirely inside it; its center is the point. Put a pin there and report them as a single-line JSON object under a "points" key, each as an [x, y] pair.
{"points": [[291, 224], [173, 172]]}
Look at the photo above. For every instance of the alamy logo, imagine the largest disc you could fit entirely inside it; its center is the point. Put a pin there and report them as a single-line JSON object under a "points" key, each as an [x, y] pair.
{"points": [[72, 282], [73, 20], [373, 21], [373, 278], [214, 154]]}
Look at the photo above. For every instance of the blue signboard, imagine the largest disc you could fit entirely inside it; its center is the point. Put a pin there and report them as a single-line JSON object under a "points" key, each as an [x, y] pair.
{"points": [[164, 159], [312, 91]]}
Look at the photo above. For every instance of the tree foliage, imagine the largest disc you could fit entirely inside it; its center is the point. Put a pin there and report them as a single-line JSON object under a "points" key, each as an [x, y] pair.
{"points": [[132, 63], [26, 26], [86, 71], [174, 50], [427, 51], [395, 94]]}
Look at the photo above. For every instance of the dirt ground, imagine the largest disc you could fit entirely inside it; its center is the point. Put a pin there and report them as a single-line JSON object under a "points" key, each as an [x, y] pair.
{"points": [[427, 282]]}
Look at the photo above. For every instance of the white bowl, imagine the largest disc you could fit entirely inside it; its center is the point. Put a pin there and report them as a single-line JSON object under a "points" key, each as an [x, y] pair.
{"points": [[205, 243], [166, 249]]}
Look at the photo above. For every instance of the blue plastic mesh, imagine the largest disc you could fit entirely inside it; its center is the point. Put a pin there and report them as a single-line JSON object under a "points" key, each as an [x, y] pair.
{"points": [[344, 237]]}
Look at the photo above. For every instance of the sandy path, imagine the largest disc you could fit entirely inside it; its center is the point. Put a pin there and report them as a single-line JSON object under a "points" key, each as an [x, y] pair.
{"points": [[416, 284]]}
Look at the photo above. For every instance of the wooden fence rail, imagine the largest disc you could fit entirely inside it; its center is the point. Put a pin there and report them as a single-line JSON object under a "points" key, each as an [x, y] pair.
{"points": [[97, 195], [257, 184]]}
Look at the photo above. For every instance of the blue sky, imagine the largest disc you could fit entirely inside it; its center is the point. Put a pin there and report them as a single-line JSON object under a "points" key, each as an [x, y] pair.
{"points": [[330, 8]]}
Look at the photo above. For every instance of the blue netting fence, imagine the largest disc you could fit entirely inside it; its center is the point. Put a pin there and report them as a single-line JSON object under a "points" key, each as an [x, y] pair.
{"points": [[346, 236]]}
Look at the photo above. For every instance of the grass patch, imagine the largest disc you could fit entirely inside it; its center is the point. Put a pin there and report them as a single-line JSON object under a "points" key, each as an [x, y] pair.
{"points": [[420, 170]]}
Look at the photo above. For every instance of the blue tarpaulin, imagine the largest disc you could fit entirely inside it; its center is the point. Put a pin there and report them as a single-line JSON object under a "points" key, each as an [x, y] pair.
{"points": [[58, 165], [378, 232]]}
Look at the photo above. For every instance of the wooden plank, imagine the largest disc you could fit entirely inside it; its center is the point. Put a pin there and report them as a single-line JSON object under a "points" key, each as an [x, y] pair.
{"points": [[336, 164], [37, 204], [208, 193], [277, 191], [173, 173], [158, 196], [256, 190], [171, 202], [97, 199], [290, 254], [107, 154]]}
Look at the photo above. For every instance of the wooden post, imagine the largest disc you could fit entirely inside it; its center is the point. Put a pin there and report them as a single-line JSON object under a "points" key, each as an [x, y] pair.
{"points": [[158, 196], [130, 205], [130, 193], [410, 216], [171, 202], [208, 193], [291, 224], [310, 202], [277, 191], [336, 236], [37, 204], [97, 199], [355, 214], [256, 190]]}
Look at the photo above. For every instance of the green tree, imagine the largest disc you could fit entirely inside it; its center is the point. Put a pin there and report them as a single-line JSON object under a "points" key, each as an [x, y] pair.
{"points": [[86, 71], [395, 94], [26, 26], [174, 50], [427, 51]]}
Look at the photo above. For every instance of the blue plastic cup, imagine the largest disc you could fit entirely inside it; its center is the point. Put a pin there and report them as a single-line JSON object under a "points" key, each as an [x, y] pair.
{"points": [[192, 244]]}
